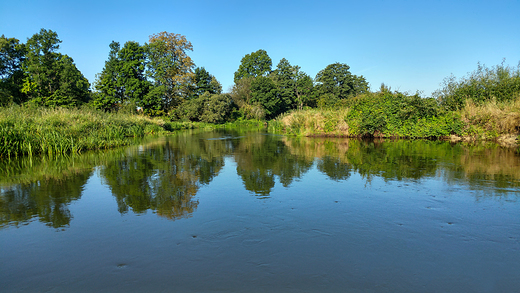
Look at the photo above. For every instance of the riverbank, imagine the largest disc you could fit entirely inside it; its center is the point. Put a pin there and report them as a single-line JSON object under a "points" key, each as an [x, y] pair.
{"points": [[26, 130], [31, 130], [391, 115]]}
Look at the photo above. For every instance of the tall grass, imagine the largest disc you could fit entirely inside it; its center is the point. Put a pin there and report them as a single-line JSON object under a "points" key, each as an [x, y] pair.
{"points": [[491, 119], [30, 130]]}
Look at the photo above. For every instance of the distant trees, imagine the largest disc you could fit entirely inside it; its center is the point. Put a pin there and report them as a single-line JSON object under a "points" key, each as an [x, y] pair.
{"points": [[295, 85], [203, 82], [261, 92], [254, 65], [160, 78], [335, 82]]}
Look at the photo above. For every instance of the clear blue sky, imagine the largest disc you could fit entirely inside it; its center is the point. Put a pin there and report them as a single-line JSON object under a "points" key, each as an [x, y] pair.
{"points": [[408, 45]]}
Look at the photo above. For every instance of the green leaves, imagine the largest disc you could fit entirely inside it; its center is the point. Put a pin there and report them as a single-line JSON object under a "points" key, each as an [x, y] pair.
{"points": [[500, 82], [337, 80], [254, 65], [204, 82], [12, 55], [50, 78], [265, 92], [123, 80]]}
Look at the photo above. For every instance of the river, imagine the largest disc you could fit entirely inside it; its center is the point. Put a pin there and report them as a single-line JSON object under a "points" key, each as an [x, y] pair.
{"points": [[229, 211]]}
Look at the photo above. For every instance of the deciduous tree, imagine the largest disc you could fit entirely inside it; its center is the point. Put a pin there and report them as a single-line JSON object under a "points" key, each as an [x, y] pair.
{"points": [[295, 86], [50, 78], [265, 92], [170, 66], [337, 80], [204, 82], [12, 55], [253, 65]]}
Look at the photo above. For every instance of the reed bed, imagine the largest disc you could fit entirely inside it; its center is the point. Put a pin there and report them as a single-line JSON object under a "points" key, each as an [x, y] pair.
{"points": [[30, 130], [491, 119]]}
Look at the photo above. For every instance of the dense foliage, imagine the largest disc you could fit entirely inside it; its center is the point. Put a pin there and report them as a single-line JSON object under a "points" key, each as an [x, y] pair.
{"points": [[159, 78], [500, 83], [36, 73]]}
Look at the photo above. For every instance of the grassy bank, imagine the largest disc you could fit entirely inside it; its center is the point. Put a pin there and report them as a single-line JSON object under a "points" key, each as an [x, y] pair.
{"points": [[395, 115], [30, 130], [33, 130]]}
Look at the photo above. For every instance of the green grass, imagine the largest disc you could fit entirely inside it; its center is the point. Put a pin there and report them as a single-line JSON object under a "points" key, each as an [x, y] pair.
{"points": [[31, 130]]}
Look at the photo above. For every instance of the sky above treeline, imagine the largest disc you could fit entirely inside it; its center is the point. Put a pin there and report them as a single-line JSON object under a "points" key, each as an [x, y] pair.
{"points": [[408, 45]]}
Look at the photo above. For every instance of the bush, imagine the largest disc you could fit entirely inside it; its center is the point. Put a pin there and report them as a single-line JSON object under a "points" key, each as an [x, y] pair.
{"points": [[386, 112], [500, 83]]}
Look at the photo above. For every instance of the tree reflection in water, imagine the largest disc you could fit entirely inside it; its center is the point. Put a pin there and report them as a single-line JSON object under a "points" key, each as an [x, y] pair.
{"points": [[165, 174], [46, 199], [162, 177]]}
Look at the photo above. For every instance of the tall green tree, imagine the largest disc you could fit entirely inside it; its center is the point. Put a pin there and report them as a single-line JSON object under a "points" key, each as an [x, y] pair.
{"points": [[203, 82], [265, 92], [132, 78], [295, 86], [12, 55], [336, 80], [50, 78], [170, 66], [253, 65], [110, 92], [123, 80]]}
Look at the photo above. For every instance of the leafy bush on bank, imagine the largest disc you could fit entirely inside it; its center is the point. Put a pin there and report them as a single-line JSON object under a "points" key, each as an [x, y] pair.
{"points": [[382, 114], [500, 83]]}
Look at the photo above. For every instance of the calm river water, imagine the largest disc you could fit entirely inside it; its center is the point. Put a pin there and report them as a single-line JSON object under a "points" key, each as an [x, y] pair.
{"points": [[252, 212]]}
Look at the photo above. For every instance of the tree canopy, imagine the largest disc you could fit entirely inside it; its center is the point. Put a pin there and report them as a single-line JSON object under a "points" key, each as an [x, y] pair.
{"points": [[12, 55], [170, 66], [50, 78], [253, 65], [337, 80]]}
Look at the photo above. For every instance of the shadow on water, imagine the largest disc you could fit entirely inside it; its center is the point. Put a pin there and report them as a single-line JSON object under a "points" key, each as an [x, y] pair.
{"points": [[165, 174]]}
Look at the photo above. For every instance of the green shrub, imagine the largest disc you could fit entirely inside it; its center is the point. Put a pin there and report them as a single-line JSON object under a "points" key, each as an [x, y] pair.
{"points": [[501, 83]]}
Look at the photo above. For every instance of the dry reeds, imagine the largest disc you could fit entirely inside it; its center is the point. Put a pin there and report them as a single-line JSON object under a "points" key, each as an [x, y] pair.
{"points": [[492, 118]]}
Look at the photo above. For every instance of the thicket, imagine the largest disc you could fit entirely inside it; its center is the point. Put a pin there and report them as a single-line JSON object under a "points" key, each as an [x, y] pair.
{"points": [[500, 83], [381, 114]]}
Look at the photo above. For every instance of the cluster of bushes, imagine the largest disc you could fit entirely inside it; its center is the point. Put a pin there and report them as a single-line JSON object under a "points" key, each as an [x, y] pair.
{"points": [[381, 114], [209, 108], [500, 83], [483, 105], [396, 114]]}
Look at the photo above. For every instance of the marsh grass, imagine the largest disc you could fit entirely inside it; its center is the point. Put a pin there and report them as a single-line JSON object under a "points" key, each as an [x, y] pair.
{"points": [[31, 130], [312, 122], [491, 119]]}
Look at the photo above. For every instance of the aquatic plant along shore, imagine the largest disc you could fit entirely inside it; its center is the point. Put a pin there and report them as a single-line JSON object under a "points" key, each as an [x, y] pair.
{"points": [[30, 130]]}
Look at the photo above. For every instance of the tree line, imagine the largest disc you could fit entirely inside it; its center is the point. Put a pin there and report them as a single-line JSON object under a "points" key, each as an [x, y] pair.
{"points": [[159, 78]]}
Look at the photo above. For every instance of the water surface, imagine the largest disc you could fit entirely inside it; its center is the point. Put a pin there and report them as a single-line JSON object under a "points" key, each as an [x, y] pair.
{"points": [[251, 212]]}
